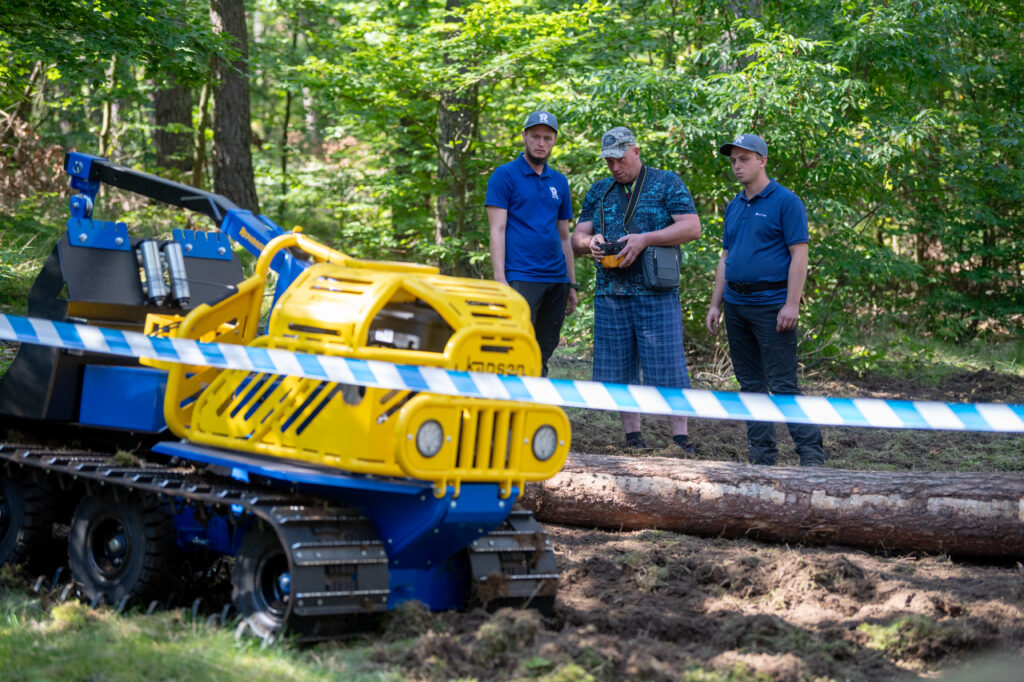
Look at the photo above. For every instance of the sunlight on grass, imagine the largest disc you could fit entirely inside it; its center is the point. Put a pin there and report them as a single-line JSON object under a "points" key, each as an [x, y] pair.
{"points": [[73, 642], [929, 360]]}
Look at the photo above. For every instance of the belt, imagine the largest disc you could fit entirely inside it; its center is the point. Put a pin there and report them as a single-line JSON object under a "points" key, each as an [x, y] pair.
{"points": [[747, 288]]}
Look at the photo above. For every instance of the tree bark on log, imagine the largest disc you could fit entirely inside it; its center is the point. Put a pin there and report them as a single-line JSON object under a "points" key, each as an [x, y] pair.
{"points": [[964, 514]]}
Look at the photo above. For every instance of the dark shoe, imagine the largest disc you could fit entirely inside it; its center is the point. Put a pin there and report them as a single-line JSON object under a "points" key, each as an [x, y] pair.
{"points": [[685, 444], [634, 441]]}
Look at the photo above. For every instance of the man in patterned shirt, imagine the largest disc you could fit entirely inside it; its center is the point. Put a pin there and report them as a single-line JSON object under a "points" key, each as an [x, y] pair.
{"points": [[638, 332]]}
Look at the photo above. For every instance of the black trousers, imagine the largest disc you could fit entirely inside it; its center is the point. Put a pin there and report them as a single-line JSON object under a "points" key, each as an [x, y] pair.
{"points": [[547, 313], [764, 361]]}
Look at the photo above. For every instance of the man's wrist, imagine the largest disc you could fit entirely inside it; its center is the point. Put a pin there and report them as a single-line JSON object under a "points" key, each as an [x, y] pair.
{"points": [[574, 285]]}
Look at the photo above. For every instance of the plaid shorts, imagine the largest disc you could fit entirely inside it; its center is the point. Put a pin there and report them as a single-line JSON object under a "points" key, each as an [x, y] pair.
{"points": [[640, 336]]}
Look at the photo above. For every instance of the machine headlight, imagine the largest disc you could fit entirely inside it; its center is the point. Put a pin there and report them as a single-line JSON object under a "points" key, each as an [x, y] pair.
{"points": [[429, 438], [545, 442]]}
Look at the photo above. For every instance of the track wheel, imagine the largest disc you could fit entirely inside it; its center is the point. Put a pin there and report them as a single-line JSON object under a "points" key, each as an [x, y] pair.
{"points": [[26, 522], [121, 549], [261, 582]]}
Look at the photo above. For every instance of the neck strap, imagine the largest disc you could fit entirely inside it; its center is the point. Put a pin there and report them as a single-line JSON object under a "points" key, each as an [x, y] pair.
{"points": [[629, 205]]}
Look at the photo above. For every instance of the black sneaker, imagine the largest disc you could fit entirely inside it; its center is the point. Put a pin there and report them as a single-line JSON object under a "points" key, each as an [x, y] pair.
{"points": [[684, 444], [636, 442]]}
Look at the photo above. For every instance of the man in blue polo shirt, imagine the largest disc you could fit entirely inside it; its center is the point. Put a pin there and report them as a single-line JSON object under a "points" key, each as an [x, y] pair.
{"points": [[761, 277], [529, 209]]}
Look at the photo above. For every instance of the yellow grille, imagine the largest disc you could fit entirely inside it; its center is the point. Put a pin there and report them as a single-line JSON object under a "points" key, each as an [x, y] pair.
{"points": [[485, 441]]}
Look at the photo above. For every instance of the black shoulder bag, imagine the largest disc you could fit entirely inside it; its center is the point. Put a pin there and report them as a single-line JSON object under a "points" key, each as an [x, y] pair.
{"points": [[660, 264]]}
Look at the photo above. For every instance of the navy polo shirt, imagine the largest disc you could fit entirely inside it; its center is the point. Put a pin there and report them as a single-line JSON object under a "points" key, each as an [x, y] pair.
{"points": [[535, 203], [758, 234]]}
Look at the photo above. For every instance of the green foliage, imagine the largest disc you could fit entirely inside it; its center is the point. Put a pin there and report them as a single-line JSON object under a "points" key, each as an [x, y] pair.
{"points": [[897, 123], [27, 235], [75, 38]]}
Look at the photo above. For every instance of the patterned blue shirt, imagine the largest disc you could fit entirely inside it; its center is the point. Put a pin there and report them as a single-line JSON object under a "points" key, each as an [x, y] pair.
{"points": [[663, 195]]}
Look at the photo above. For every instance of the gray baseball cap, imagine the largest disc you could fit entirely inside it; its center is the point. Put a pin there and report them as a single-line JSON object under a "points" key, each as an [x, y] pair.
{"points": [[541, 118], [615, 142], [748, 141]]}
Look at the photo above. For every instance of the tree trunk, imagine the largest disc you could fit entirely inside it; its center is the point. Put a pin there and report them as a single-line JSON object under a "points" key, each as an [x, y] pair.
{"points": [[172, 109], [282, 203], [232, 132], [199, 140], [968, 514], [109, 109], [310, 119], [456, 127]]}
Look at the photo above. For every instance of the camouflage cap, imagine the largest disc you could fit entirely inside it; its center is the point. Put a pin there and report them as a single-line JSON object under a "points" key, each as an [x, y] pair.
{"points": [[616, 141]]}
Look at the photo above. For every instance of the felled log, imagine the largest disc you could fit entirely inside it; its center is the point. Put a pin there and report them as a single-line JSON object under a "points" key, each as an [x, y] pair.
{"points": [[964, 514]]}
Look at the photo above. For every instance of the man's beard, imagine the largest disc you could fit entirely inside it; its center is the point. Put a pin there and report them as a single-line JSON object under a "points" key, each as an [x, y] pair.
{"points": [[533, 159]]}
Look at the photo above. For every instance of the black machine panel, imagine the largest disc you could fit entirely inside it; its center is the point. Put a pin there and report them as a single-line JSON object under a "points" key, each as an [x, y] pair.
{"points": [[94, 286]]}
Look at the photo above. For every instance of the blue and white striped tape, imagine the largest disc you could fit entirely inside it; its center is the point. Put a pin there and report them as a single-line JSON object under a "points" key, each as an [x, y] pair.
{"points": [[897, 414]]}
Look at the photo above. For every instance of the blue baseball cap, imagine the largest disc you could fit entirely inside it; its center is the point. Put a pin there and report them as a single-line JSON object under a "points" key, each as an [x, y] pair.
{"points": [[748, 141], [541, 118]]}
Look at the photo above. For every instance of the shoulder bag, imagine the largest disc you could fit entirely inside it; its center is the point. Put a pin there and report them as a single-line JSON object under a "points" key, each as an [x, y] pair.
{"points": [[660, 264]]}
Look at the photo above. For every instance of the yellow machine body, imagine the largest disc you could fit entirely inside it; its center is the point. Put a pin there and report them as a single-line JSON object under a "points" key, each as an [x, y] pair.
{"points": [[371, 310]]}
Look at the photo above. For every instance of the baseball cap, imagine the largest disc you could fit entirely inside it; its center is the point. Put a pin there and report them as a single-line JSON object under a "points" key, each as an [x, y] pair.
{"points": [[615, 142], [748, 141], [541, 118]]}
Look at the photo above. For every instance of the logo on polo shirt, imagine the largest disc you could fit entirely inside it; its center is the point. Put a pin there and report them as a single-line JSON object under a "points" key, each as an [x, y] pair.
{"points": [[554, 192], [760, 215]]}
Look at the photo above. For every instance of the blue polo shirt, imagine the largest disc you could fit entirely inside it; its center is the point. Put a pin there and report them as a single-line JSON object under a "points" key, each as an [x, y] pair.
{"points": [[535, 203], [758, 234]]}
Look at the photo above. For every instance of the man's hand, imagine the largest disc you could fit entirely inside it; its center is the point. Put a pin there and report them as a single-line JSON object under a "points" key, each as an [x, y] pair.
{"points": [[635, 245], [787, 317], [713, 320], [595, 248], [571, 302]]}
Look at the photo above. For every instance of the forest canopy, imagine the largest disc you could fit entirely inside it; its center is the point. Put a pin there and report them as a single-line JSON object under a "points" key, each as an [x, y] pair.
{"points": [[374, 126]]}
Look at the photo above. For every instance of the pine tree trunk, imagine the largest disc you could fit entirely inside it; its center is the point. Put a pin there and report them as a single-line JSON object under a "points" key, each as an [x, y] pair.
{"points": [[968, 514], [172, 109], [232, 133]]}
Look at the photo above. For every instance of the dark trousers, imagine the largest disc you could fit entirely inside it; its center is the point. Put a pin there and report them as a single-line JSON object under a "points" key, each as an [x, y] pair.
{"points": [[547, 313], [764, 361]]}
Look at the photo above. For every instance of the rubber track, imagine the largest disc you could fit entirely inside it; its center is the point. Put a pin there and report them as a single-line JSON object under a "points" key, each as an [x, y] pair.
{"points": [[338, 564], [514, 565]]}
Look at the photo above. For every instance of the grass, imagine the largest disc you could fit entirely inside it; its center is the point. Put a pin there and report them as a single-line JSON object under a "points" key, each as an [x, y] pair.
{"points": [[72, 641], [42, 641], [27, 236], [647, 574], [897, 352], [917, 638]]}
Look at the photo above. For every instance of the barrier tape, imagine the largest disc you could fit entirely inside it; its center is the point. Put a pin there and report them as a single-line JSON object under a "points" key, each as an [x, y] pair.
{"points": [[895, 414]]}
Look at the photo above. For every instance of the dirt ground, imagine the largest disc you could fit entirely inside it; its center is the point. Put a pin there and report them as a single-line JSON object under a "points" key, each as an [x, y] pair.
{"points": [[659, 605]]}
